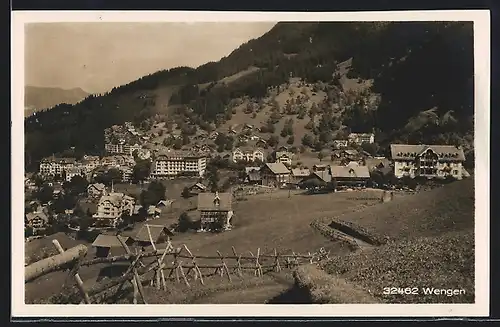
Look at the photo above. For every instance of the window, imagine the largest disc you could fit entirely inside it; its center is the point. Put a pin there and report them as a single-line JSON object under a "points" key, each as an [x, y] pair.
{"points": [[455, 172]]}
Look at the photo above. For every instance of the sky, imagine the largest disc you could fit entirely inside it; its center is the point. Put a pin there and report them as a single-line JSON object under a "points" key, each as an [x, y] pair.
{"points": [[98, 56]]}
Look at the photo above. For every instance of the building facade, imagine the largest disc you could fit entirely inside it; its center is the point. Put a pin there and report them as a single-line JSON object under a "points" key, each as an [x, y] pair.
{"points": [[430, 161], [53, 166], [215, 211], [360, 138], [112, 207], [176, 163], [275, 174], [72, 172], [285, 157], [248, 154]]}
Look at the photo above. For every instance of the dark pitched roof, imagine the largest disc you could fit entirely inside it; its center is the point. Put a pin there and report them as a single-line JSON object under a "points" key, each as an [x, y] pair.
{"points": [[323, 175], [108, 241], [298, 172], [410, 152], [208, 201], [143, 236], [254, 175], [355, 171], [277, 168]]}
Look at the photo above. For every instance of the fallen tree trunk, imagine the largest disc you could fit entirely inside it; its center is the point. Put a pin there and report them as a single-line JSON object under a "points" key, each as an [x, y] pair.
{"points": [[55, 262]]}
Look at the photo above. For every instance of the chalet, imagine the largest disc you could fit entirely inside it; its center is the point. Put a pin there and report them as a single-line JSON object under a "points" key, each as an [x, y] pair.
{"points": [[106, 244], [261, 143], [377, 163], [320, 167], [248, 154], [111, 208], [197, 188], [215, 210], [349, 154], [148, 233], [340, 144], [275, 174], [153, 212], [299, 174], [164, 204], [352, 174], [360, 138], [430, 161], [96, 190], [284, 157], [253, 175], [37, 220]]}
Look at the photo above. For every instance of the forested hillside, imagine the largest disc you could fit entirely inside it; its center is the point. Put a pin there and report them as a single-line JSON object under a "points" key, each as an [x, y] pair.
{"points": [[423, 73]]}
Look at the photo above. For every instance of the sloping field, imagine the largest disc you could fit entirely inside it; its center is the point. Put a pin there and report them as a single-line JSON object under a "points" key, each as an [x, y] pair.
{"points": [[269, 222], [430, 213], [265, 223], [445, 262], [432, 247], [324, 288]]}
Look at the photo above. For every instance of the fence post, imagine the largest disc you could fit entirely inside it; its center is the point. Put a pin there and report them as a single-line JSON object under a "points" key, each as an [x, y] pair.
{"points": [[183, 275], [277, 261], [224, 266], [238, 262], [258, 268], [160, 276], [195, 268], [76, 276], [136, 275]]}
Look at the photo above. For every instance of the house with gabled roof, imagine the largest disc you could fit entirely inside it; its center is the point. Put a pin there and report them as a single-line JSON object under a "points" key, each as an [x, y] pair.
{"points": [[360, 138], [275, 174], [158, 234], [248, 154], [352, 174], [111, 207], [284, 157], [430, 161], [37, 220], [105, 244], [215, 210], [299, 174], [253, 175]]}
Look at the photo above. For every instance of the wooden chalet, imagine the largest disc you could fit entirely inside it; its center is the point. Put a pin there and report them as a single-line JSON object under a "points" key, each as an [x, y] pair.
{"points": [[109, 244], [215, 210]]}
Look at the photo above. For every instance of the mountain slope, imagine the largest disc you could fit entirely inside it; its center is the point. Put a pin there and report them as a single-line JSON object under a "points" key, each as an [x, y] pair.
{"points": [[39, 98], [413, 66]]}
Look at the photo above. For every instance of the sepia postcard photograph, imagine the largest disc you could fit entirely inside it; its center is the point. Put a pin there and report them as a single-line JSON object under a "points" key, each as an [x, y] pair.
{"points": [[250, 164]]}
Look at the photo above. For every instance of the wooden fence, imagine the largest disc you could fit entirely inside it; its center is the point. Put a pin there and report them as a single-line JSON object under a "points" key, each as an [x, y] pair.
{"points": [[183, 267]]}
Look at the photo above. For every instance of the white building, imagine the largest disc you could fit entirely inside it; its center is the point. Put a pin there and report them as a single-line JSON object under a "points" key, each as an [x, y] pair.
{"points": [[248, 154], [112, 207], [284, 157], [72, 172], [360, 138], [431, 161], [175, 163], [52, 166]]}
